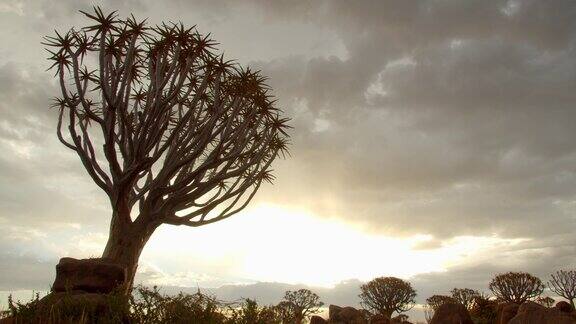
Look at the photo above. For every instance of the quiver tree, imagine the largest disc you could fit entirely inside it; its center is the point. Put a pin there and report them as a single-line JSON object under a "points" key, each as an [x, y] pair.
{"points": [[286, 312], [435, 301], [465, 296], [563, 283], [386, 295], [301, 304], [516, 287], [171, 132]]}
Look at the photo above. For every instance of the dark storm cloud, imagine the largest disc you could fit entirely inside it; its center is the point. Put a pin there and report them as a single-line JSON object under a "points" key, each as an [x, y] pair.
{"points": [[471, 124]]}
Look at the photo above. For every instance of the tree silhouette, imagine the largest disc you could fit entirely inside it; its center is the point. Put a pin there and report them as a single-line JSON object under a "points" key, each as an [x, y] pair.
{"points": [[516, 287], [186, 137], [386, 295], [250, 313], [301, 304], [435, 301], [563, 283], [428, 313], [286, 312], [465, 296]]}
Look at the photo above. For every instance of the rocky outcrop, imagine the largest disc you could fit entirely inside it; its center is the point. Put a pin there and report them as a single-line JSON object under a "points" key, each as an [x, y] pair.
{"points": [[451, 313], [533, 313], [506, 312], [89, 275], [379, 319], [564, 307], [400, 319], [315, 319], [346, 315]]}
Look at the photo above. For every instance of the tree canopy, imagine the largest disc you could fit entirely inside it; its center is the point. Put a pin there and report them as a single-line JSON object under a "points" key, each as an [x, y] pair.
{"points": [[516, 287], [386, 295], [301, 303], [563, 283], [182, 130], [465, 296]]}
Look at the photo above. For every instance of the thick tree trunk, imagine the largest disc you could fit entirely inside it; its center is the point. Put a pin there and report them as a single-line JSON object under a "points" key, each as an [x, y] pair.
{"points": [[125, 244]]}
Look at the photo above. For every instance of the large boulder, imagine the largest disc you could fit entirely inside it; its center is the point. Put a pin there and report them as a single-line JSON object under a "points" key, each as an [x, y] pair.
{"points": [[533, 313], [505, 312], [333, 311], [346, 315], [315, 319], [89, 275], [379, 319], [564, 307], [451, 313], [400, 319]]}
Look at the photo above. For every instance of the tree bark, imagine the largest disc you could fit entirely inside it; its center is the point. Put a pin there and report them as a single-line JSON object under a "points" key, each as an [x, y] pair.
{"points": [[125, 244]]}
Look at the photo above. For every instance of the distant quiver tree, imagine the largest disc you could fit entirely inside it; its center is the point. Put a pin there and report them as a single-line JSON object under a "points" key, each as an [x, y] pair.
{"points": [[301, 303], [386, 295], [516, 287], [465, 296], [171, 132], [435, 301], [563, 283]]}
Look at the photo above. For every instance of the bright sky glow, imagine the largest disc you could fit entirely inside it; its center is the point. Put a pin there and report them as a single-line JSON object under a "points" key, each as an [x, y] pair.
{"points": [[270, 243]]}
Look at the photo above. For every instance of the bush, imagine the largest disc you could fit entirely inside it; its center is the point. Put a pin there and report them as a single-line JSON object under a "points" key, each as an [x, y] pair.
{"points": [[250, 313], [144, 306], [148, 305], [70, 307]]}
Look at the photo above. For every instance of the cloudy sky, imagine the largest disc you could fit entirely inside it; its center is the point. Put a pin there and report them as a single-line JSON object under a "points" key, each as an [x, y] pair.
{"points": [[433, 141]]}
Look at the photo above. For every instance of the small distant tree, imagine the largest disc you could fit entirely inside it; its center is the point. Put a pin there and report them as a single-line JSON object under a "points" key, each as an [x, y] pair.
{"points": [[435, 301], [250, 313], [302, 303], [286, 312], [563, 283], [386, 295], [545, 301], [428, 313], [516, 287], [169, 130], [465, 296]]}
